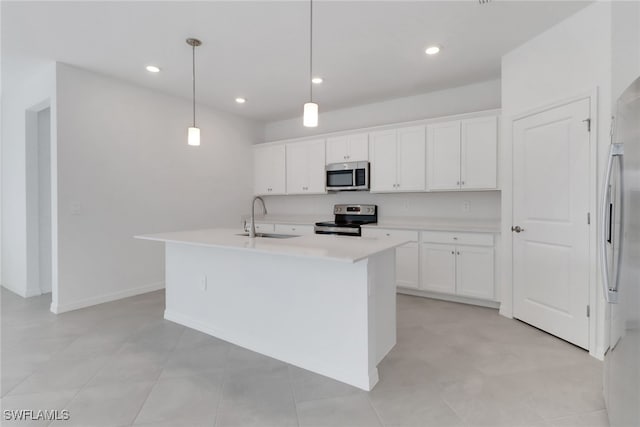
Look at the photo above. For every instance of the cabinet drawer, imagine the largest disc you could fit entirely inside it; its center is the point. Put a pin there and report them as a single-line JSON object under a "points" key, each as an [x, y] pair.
{"points": [[263, 228], [296, 230], [401, 234], [477, 239]]}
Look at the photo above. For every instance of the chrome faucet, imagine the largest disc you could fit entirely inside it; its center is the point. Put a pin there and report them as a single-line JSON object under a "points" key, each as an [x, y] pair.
{"points": [[252, 230]]}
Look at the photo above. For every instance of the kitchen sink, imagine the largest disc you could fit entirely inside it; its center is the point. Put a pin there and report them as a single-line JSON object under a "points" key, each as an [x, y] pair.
{"points": [[269, 235]]}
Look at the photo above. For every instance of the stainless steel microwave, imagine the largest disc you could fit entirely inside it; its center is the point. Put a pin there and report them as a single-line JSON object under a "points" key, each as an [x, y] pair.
{"points": [[348, 176]]}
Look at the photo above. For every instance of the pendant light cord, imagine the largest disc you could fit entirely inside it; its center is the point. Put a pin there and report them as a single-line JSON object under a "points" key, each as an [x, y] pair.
{"points": [[310, 50], [193, 63]]}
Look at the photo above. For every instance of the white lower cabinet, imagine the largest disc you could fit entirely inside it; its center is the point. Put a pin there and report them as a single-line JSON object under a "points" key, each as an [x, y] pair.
{"points": [[474, 272], [263, 228], [294, 230], [459, 264], [407, 255], [465, 268], [408, 265], [438, 268]]}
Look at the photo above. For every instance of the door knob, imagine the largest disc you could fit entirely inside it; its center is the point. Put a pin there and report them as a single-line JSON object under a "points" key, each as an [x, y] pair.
{"points": [[517, 229]]}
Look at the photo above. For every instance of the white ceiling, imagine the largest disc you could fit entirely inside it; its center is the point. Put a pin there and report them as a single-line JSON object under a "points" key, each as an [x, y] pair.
{"points": [[365, 50]]}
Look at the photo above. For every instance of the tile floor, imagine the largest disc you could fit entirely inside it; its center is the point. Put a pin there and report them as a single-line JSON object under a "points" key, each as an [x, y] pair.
{"points": [[121, 364]]}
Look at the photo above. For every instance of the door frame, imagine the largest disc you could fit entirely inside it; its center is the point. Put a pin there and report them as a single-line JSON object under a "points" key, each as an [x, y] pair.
{"points": [[596, 304]]}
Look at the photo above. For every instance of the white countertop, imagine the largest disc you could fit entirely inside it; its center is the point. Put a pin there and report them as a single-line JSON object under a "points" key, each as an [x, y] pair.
{"points": [[403, 223], [337, 248]]}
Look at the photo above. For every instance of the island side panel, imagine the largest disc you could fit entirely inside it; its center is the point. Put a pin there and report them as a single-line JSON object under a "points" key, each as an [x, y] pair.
{"points": [[312, 313], [382, 283]]}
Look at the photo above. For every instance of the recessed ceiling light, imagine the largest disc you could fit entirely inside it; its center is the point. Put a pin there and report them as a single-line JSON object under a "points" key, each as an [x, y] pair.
{"points": [[153, 69], [432, 50], [316, 80], [241, 100]]}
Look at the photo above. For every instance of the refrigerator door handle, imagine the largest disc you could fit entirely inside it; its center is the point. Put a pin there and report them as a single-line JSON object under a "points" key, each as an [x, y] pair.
{"points": [[611, 289]]}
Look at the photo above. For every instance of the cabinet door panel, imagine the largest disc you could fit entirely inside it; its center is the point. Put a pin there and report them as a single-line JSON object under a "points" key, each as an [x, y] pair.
{"points": [[408, 266], [305, 167], [337, 149], [382, 150], [411, 159], [297, 176], [316, 181], [443, 156], [261, 167], [479, 153], [278, 177], [358, 147], [475, 272], [438, 268], [269, 170]]}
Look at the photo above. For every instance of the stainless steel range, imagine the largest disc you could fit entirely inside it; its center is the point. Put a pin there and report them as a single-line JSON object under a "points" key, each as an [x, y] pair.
{"points": [[348, 219]]}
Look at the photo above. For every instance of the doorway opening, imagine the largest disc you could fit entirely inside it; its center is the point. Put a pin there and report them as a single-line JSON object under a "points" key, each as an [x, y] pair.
{"points": [[39, 200]]}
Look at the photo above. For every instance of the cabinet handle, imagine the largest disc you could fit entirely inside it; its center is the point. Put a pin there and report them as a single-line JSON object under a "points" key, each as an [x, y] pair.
{"points": [[462, 182], [457, 182], [458, 253], [455, 238], [453, 253]]}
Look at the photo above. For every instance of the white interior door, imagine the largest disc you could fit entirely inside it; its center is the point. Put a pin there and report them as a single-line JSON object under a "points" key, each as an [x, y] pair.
{"points": [[550, 205]]}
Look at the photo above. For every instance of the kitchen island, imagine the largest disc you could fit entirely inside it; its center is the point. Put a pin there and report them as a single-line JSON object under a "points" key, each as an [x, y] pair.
{"points": [[322, 303]]}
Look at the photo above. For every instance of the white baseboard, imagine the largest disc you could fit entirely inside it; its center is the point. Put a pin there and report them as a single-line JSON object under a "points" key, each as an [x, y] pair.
{"points": [[446, 297], [88, 302]]}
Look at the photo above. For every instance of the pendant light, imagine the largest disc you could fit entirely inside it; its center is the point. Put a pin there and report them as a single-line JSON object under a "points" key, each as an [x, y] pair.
{"points": [[310, 115], [193, 133]]}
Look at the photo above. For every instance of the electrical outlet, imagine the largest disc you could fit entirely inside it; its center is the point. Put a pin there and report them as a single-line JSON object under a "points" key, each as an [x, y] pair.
{"points": [[75, 208], [466, 206], [203, 283]]}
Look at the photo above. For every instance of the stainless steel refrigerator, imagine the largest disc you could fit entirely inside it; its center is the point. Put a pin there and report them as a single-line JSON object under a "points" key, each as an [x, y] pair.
{"points": [[620, 257]]}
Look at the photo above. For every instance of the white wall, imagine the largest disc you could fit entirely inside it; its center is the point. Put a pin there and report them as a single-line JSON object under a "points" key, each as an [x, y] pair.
{"points": [[625, 45], [475, 97], [464, 99], [124, 168], [570, 59], [483, 204], [25, 86]]}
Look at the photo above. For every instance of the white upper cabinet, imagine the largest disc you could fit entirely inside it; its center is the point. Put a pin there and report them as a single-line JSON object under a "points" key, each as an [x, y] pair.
{"points": [[398, 159], [269, 170], [348, 148], [479, 153], [462, 154], [443, 156], [384, 160], [305, 167], [411, 159]]}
